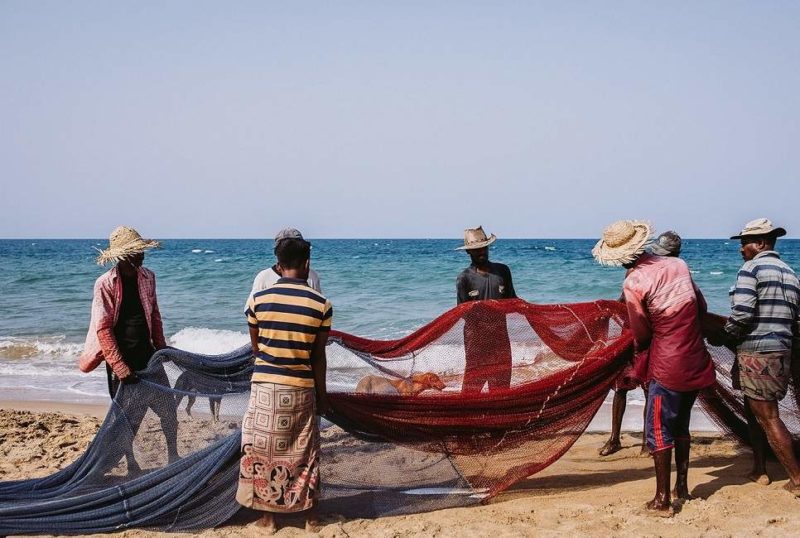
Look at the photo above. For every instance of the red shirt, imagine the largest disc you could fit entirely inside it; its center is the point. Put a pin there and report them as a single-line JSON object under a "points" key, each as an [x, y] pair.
{"points": [[100, 342], [664, 310]]}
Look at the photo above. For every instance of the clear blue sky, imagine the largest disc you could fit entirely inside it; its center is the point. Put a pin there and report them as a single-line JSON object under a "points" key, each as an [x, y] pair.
{"points": [[397, 119]]}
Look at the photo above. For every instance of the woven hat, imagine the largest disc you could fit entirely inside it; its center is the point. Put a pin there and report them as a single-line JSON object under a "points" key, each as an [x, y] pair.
{"points": [[667, 244], [476, 238], [122, 243], [623, 241], [760, 227]]}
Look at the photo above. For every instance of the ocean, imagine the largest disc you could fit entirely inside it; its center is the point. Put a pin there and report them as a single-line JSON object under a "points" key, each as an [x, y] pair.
{"points": [[380, 288]]}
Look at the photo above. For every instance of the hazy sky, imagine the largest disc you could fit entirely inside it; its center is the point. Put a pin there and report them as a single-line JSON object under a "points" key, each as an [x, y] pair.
{"points": [[397, 119]]}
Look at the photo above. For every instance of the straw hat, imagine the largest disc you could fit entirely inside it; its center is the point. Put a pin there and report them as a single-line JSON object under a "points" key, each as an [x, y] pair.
{"points": [[124, 242], [760, 227], [476, 238], [622, 242]]}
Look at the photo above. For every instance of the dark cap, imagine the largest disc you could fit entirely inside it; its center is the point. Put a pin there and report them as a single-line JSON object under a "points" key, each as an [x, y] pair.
{"points": [[667, 244], [288, 233]]}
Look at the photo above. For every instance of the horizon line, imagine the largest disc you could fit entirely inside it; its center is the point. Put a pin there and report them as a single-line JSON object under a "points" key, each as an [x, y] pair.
{"points": [[353, 238]]}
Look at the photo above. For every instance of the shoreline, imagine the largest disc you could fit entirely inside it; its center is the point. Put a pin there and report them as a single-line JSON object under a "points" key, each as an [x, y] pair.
{"points": [[601, 423], [95, 410]]}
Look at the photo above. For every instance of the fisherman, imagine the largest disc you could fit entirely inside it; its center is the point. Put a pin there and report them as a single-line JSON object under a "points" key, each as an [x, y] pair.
{"points": [[486, 343], [765, 303], [125, 330], [269, 276], [666, 244], [289, 325], [664, 308]]}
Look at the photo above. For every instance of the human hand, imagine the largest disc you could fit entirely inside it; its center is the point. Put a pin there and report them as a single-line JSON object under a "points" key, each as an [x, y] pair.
{"points": [[323, 407], [716, 338], [130, 379]]}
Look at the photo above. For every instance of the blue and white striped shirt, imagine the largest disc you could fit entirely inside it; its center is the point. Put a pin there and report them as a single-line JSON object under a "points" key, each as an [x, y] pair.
{"points": [[764, 305]]}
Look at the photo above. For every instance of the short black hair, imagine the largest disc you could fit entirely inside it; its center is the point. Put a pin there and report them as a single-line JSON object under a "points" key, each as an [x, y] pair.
{"points": [[292, 253]]}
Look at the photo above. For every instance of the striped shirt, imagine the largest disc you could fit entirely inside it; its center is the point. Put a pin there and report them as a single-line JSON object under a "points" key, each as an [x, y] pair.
{"points": [[288, 316], [764, 305]]}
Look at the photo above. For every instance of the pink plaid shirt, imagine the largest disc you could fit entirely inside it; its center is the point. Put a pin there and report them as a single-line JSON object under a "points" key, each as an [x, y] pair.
{"points": [[100, 342], [664, 310]]}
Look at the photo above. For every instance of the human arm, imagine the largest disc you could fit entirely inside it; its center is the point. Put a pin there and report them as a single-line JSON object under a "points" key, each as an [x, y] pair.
{"points": [[510, 291], [319, 361], [702, 305], [637, 317], [157, 330], [252, 325], [744, 304], [462, 293], [104, 307], [319, 365], [254, 339]]}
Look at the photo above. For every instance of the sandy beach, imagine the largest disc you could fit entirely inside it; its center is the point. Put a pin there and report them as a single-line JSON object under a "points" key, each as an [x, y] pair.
{"points": [[581, 493]]}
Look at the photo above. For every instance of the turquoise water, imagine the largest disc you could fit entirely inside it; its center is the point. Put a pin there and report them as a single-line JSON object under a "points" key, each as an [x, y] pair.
{"points": [[380, 288]]}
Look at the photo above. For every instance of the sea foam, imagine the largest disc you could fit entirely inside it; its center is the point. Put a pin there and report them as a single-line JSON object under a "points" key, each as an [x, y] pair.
{"points": [[208, 341]]}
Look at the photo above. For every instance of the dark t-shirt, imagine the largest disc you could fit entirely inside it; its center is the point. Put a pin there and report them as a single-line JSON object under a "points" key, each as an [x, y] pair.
{"points": [[131, 331], [474, 286]]}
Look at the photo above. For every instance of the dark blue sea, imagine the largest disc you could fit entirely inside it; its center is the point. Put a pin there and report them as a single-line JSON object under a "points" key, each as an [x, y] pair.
{"points": [[380, 288]]}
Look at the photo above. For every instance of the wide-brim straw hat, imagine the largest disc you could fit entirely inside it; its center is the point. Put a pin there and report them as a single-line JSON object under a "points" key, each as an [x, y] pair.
{"points": [[760, 227], [122, 243], [476, 238], [622, 242]]}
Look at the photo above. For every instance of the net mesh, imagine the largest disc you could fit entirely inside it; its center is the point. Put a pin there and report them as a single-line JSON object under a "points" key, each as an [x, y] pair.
{"points": [[519, 384]]}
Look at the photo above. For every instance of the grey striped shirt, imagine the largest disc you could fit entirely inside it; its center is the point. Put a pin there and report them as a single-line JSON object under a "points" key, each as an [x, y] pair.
{"points": [[764, 305]]}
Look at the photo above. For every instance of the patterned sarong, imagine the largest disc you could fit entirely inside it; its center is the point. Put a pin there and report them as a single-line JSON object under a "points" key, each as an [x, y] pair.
{"points": [[279, 469]]}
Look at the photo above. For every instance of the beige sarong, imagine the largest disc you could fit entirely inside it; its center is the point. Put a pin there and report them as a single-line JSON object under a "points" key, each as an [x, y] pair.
{"points": [[279, 469]]}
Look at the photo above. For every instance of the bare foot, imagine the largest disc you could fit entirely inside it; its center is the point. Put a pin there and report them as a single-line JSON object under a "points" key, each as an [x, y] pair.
{"points": [[760, 478], [644, 452], [312, 524], [682, 493], [610, 447], [267, 522], [792, 488], [659, 508]]}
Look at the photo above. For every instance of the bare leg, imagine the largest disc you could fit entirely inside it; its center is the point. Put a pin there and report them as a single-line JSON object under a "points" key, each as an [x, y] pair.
{"points": [[312, 520], [758, 441], [267, 522], [661, 505], [617, 412], [681, 490], [644, 452], [779, 439]]}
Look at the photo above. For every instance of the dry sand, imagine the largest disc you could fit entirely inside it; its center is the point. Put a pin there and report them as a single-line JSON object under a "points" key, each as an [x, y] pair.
{"points": [[580, 494]]}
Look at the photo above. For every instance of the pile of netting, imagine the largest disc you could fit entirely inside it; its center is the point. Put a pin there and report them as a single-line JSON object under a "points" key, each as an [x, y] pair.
{"points": [[519, 384]]}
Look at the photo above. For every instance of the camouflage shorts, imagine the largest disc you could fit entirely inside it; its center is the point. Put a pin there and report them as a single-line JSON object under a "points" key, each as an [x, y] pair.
{"points": [[762, 376]]}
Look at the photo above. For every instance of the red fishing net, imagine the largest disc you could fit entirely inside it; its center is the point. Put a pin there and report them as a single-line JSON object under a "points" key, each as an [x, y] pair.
{"points": [[522, 382], [487, 394]]}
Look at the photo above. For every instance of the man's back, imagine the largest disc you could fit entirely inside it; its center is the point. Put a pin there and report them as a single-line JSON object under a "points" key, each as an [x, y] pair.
{"points": [[289, 316], [664, 306]]}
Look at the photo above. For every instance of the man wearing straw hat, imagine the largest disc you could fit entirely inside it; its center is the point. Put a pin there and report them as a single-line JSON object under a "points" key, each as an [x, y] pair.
{"points": [[664, 308], [666, 244], [486, 344], [763, 323], [125, 328]]}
